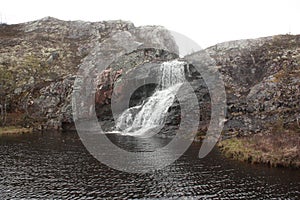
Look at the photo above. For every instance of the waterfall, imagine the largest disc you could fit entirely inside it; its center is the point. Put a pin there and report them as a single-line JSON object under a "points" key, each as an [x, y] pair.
{"points": [[151, 114]]}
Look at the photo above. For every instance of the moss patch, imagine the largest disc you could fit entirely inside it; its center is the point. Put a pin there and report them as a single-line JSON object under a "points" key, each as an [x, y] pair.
{"points": [[277, 150]]}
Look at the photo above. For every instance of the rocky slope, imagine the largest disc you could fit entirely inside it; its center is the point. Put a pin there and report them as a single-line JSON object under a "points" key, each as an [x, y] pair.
{"points": [[40, 59], [39, 62], [262, 80]]}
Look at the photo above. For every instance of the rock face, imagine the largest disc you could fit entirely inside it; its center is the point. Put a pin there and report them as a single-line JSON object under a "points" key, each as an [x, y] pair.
{"points": [[262, 82], [262, 85], [40, 61]]}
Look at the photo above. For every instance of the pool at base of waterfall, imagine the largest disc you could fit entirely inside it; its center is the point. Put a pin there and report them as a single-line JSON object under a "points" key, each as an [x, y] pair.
{"points": [[56, 165]]}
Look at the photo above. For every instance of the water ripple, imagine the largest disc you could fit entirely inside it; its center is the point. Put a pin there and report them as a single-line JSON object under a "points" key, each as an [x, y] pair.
{"points": [[57, 166]]}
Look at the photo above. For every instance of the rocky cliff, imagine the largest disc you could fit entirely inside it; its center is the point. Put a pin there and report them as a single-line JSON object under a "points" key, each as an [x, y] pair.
{"points": [[40, 59], [262, 82], [39, 62]]}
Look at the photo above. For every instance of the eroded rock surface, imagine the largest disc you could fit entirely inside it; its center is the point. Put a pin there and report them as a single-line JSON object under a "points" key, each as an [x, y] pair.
{"points": [[40, 61]]}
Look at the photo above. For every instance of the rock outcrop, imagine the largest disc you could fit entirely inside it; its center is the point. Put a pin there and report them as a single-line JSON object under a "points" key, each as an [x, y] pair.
{"points": [[262, 82], [40, 60]]}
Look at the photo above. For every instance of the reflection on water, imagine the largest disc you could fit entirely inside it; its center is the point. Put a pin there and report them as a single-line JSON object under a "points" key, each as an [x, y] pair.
{"points": [[57, 166]]}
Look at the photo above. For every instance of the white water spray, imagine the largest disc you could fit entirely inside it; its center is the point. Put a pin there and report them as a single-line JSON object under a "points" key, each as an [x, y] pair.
{"points": [[151, 114]]}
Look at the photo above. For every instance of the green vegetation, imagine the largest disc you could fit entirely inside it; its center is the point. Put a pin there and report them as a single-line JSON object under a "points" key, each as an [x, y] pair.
{"points": [[235, 148], [275, 150]]}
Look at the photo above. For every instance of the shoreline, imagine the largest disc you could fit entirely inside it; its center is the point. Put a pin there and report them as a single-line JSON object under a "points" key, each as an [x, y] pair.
{"points": [[273, 150], [6, 130]]}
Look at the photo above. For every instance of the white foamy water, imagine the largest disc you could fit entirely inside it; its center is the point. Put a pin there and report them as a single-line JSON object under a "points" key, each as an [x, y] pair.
{"points": [[144, 119]]}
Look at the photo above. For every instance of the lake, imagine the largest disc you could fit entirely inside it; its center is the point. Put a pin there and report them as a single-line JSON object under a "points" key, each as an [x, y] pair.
{"points": [[55, 165]]}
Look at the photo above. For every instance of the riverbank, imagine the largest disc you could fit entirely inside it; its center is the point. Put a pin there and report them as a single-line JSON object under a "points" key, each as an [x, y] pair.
{"points": [[274, 150], [14, 130]]}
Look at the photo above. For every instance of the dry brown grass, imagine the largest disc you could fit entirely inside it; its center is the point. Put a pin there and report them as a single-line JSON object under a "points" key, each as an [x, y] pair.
{"points": [[275, 150], [14, 130]]}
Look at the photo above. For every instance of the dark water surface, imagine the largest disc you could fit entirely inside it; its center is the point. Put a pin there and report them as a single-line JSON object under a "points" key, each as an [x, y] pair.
{"points": [[57, 166]]}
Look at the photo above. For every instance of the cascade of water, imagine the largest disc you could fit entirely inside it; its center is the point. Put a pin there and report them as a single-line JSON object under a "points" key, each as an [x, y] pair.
{"points": [[151, 113]]}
